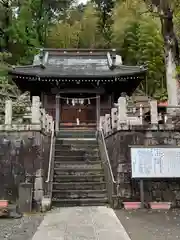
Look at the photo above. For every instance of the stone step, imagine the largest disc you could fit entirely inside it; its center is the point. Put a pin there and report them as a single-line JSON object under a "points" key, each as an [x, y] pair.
{"points": [[79, 202], [77, 161], [77, 147], [82, 126], [77, 142], [77, 165], [76, 134], [79, 185], [92, 130], [79, 172], [81, 159], [78, 178], [71, 193], [77, 152], [77, 128]]}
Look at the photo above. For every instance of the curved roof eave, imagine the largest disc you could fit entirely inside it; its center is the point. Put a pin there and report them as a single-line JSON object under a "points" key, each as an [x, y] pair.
{"points": [[40, 71]]}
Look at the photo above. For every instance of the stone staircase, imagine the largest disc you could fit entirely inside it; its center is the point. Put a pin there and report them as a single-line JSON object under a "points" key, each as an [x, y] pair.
{"points": [[78, 173]]}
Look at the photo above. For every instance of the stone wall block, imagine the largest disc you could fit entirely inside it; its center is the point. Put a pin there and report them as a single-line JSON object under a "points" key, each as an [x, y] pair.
{"points": [[22, 161], [119, 155]]}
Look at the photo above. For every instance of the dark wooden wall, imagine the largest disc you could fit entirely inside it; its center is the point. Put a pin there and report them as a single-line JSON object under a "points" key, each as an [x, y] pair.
{"points": [[85, 112]]}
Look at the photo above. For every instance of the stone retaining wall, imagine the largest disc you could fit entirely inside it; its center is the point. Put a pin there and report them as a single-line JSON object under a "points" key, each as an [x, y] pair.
{"points": [[24, 157], [119, 153]]}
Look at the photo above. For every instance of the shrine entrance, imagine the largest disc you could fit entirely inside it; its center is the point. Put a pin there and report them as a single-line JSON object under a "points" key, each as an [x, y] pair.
{"points": [[77, 110], [79, 114]]}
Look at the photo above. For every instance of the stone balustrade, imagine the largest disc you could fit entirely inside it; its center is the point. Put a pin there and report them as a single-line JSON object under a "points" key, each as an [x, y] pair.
{"points": [[37, 116], [121, 117]]}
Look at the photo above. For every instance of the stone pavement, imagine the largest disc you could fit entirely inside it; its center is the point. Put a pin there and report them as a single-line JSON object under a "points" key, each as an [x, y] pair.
{"points": [[81, 223]]}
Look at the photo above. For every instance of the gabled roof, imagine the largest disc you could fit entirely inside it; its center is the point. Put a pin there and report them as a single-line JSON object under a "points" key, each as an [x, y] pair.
{"points": [[78, 64]]}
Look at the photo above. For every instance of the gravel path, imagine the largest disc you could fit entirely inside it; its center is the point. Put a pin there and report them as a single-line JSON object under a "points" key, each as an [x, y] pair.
{"points": [[19, 229], [151, 225]]}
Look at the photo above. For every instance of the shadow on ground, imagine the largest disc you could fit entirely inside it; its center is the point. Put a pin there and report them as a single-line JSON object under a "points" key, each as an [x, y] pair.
{"points": [[151, 225]]}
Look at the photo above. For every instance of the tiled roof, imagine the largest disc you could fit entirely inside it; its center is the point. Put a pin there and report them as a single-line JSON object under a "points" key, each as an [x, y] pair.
{"points": [[79, 65]]}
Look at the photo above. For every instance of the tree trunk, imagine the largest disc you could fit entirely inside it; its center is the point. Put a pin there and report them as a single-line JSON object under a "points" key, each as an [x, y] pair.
{"points": [[171, 56], [171, 81], [171, 48]]}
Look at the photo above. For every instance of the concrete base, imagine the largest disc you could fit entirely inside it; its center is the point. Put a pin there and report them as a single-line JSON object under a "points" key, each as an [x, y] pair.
{"points": [[45, 204], [90, 223], [160, 205], [132, 205]]}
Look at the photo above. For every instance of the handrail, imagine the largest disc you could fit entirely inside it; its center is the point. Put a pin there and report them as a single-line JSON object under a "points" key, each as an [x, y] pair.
{"points": [[107, 155], [50, 153]]}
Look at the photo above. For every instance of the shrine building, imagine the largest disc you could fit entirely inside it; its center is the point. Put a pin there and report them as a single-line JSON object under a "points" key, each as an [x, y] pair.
{"points": [[76, 86]]}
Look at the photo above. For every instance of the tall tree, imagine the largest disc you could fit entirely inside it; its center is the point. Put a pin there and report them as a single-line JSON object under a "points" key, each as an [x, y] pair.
{"points": [[140, 41], [105, 8], [78, 30], [23, 33], [164, 9]]}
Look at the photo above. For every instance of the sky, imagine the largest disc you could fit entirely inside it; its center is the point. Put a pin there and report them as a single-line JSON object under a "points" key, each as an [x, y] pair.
{"points": [[82, 1]]}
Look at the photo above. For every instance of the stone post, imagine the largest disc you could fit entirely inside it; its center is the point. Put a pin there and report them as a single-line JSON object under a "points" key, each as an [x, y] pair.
{"points": [[141, 114], [43, 112], [114, 118], [154, 112], [50, 123], [101, 124], [107, 123], [47, 123], [122, 111], [8, 112], [36, 114], [38, 187], [25, 197]]}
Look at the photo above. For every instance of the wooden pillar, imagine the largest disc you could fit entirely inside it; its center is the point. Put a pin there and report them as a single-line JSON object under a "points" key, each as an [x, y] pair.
{"points": [[57, 112], [42, 99], [97, 110], [45, 101], [110, 101]]}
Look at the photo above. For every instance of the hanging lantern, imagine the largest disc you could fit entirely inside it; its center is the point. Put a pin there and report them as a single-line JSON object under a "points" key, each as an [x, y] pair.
{"points": [[82, 101], [73, 102]]}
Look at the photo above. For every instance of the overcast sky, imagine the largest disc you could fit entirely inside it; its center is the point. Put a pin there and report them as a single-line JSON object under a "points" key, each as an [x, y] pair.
{"points": [[82, 1]]}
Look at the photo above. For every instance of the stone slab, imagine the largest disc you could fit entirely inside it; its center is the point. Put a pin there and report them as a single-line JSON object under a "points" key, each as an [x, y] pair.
{"points": [[81, 223]]}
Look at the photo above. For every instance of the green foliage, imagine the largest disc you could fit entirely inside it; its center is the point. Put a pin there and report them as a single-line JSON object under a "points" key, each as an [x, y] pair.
{"points": [[82, 32], [129, 26], [141, 43]]}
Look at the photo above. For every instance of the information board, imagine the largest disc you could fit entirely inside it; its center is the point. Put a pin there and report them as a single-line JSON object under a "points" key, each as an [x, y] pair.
{"points": [[155, 162]]}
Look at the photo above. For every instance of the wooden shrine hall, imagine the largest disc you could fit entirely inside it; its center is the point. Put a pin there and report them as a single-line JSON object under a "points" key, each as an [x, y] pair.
{"points": [[76, 86]]}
